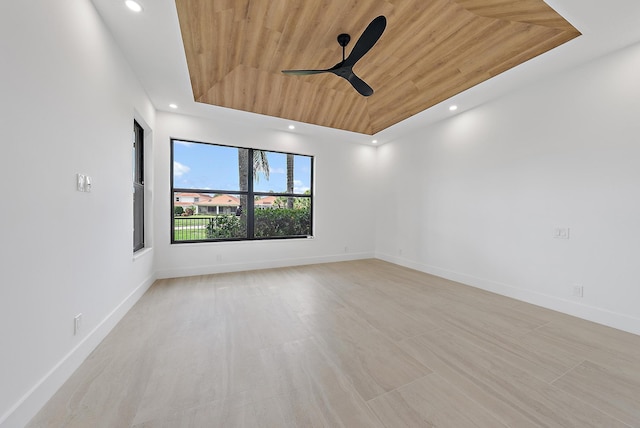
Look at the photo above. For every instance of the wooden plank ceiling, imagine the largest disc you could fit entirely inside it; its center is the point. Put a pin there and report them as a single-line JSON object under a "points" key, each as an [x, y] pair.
{"points": [[430, 51]]}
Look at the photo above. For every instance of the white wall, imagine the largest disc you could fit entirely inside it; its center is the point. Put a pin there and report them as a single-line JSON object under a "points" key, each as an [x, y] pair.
{"points": [[477, 197], [68, 103], [344, 201]]}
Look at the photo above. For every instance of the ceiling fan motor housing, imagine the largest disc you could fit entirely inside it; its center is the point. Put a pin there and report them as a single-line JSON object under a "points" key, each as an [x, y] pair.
{"points": [[343, 39]]}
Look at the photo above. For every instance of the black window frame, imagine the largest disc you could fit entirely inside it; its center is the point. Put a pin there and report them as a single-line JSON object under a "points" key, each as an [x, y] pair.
{"points": [[251, 194], [138, 187]]}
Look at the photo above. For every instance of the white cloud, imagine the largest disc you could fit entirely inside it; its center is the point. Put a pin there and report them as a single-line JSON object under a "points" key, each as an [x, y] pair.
{"points": [[299, 187], [179, 170], [183, 143], [277, 171]]}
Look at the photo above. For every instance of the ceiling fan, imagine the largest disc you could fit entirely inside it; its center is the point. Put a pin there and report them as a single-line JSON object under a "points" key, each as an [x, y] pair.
{"points": [[344, 68]]}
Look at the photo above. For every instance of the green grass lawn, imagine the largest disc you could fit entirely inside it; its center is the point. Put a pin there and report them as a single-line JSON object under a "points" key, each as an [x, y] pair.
{"points": [[189, 234], [185, 221], [190, 228]]}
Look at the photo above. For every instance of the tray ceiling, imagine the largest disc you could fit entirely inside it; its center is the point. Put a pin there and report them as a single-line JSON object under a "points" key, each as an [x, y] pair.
{"points": [[429, 52]]}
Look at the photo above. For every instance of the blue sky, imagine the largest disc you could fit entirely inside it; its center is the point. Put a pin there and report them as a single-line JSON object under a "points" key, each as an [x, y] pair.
{"points": [[206, 166]]}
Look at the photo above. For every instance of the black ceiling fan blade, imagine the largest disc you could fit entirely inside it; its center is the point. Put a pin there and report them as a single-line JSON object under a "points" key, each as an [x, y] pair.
{"points": [[344, 68], [304, 72], [359, 85], [369, 37]]}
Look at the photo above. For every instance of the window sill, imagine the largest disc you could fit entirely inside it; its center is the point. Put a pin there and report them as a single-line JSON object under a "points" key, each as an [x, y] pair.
{"points": [[242, 241], [141, 253]]}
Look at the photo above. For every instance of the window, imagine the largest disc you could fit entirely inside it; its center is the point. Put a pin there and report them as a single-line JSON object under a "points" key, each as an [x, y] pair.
{"points": [[233, 193], [138, 187]]}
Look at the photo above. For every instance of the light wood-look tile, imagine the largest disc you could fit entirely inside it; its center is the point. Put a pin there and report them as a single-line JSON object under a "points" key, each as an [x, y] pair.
{"points": [[307, 296], [373, 363], [237, 413], [431, 402], [310, 390], [353, 344], [117, 384], [614, 389], [596, 342], [499, 339], [513, 395], [386, 315]]}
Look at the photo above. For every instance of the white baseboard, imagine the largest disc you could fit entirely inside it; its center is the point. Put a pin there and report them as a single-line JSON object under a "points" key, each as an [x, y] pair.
{"points": [[592, 313], [27, 407], [254, 265]]}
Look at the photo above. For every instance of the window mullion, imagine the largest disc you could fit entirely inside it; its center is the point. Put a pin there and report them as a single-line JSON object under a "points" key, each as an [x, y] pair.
{"points": [[250, 197]]}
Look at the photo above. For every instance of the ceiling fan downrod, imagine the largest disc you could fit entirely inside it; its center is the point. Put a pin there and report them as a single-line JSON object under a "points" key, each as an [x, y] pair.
{"points": [[343, 40]]}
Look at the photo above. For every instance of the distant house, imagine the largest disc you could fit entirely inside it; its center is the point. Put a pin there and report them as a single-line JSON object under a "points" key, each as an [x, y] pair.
{"points": [[220, 204], [187, 200], [207, 204], [266, 202]]}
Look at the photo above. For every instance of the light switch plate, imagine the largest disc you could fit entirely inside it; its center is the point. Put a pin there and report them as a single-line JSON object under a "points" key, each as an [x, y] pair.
{"points": [[80, 182], [76, 324]]}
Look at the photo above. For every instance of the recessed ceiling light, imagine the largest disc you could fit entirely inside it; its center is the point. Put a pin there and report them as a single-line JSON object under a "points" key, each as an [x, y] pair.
{"points": [[133, 5], [173, 105], [292, 127], [374, 141], [453, 108]]}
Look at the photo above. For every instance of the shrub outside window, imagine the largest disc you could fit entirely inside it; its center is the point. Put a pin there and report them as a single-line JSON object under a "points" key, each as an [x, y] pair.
{"points": [[222, 193]]}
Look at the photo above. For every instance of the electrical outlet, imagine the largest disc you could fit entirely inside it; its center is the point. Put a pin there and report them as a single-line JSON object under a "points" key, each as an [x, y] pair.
{"points": [[219, 257], [578, 291], [346, 249], [76, 324], [561, 233]]}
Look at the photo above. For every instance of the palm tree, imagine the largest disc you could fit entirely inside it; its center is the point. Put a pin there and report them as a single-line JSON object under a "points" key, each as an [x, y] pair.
{"points": [[243, 157], [260, 164], [289, 180]]}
